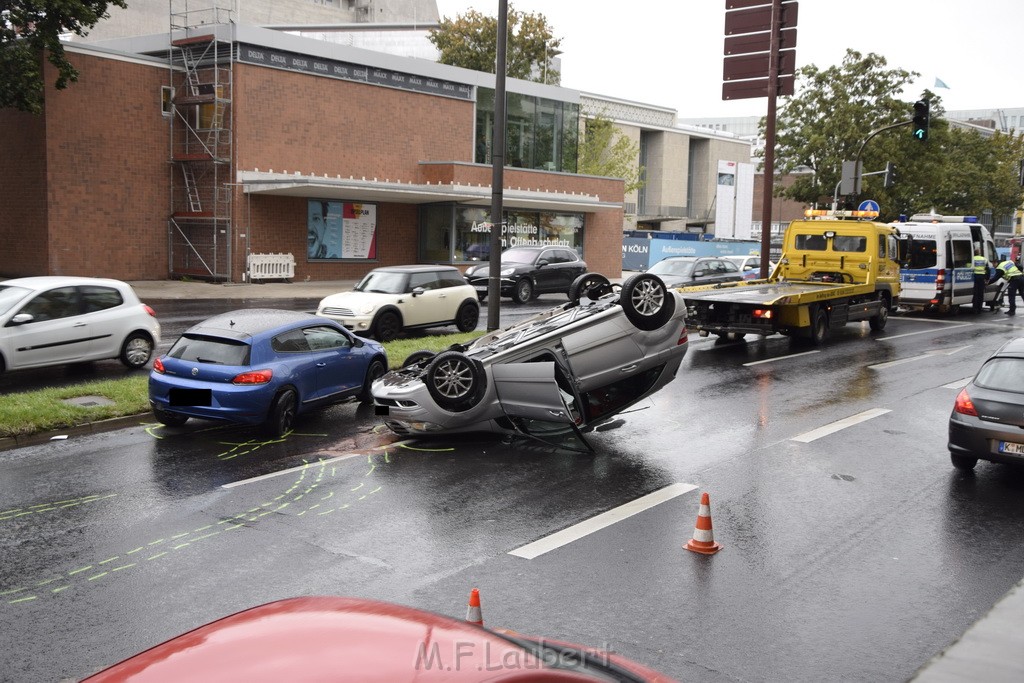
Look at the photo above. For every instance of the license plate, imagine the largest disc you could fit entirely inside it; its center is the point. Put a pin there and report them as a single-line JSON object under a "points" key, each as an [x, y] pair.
{"points": [[1008, 447], [481, 288], [189, 397]]}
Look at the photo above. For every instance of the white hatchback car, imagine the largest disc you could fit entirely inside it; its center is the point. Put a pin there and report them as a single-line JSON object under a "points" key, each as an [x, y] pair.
{"points": [[53, 320], [391, 299]]}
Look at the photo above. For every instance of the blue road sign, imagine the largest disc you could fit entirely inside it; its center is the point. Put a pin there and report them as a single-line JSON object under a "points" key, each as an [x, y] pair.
{"points": [[868, 205]]}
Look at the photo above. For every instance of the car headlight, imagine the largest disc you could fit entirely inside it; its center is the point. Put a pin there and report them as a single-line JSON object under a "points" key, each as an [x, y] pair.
{"points": [[505, 272], [367, 309]]}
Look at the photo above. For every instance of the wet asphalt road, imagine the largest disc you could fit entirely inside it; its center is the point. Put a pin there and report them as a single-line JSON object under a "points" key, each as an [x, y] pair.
{"points": [[849, 554]]}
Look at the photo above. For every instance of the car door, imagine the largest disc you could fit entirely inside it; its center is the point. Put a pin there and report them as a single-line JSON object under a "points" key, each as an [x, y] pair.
{"points": [[530, 391], [431, 305], [338, 369], [57, 332], [570, 266], [107, 319], [304, 368]]}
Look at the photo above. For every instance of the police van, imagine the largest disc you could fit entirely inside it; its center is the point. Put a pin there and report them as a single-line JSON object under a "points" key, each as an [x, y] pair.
{"points": [[940, 274]]}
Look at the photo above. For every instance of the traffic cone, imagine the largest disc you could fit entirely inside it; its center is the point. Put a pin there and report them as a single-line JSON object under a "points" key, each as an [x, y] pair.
{"points": [[473, 613], [703, 540]]}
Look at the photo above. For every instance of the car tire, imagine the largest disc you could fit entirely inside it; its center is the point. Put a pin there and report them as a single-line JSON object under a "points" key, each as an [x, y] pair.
{"points": [[963, 462], [375, 371], [455, 381], [387, 326], [591, 285], [467, 317], [646, 301], [282, 414], [877, 321], [169, 419], [819, 327], [523, 291], [136, 350], [417, 357]]}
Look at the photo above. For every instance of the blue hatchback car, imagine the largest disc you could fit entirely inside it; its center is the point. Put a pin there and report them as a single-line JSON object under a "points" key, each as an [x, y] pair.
{"points": [[262, 366]]}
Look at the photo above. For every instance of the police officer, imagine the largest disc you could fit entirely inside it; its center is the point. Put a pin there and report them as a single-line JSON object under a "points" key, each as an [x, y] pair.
{"points": [[1012, 274], [980, 279]]}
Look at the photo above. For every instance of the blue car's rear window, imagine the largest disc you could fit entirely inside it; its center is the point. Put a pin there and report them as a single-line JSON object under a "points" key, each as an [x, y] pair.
{"points": [[201, 349]]}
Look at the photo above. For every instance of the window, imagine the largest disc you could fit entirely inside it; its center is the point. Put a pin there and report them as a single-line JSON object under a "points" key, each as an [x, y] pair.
{"points": [[730, 267], [962, 254], [217, 350], [292, 341], [425, 280], [323, 338], [922, 254], [849, 243], [99, 298], [166, 100], [811, 242], [56, 303]]}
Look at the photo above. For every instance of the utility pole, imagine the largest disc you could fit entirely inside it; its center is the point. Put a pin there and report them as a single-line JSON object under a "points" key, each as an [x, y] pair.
{"points": [[497, 172]]}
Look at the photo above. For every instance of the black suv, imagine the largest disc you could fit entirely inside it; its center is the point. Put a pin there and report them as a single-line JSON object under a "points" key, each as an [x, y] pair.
{"points": [[529, 271]]}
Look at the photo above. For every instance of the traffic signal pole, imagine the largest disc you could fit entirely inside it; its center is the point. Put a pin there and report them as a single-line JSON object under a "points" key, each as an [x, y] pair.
{"points": [[860, 151]]}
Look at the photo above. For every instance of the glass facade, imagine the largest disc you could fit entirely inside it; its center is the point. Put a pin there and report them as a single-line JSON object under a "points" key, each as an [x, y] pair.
{"points": [[541, 134], [451, 233]]}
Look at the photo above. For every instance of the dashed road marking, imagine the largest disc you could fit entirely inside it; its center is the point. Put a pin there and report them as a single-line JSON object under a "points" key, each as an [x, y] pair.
{"points": [[838, 425]]}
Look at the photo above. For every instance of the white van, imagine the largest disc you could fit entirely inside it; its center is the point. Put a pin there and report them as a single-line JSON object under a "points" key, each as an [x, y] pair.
{"points": [[940, 274]]}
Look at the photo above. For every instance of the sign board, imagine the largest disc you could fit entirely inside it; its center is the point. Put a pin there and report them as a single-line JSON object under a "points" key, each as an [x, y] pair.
{"points": [[868, 205], [748, 43], [758, 87], [756, 19], [756, 65]]}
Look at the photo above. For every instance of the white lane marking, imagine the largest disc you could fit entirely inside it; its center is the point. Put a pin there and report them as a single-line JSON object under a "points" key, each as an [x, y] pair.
{"points": [[911, 359], [589, 526], [959, 384], [772, 360], [911, 334], [317, 463], [810, 436]]}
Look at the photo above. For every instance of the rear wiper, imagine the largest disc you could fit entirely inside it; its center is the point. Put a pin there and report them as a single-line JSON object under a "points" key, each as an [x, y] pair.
{"points": [[207, 360]]}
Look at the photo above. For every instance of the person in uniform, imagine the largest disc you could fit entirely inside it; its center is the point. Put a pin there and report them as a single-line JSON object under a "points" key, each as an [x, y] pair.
{"points": [[980, 264], [1012, 274]]}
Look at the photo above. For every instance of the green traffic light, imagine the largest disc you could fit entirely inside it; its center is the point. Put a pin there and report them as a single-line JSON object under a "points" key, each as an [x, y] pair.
{"points": [[919, 133]]}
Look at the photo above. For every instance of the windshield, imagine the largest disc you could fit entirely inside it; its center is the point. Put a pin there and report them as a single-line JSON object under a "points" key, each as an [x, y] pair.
{"points": [[922, 254], [518, 256], [383, 282], [672, 268], [9, 296]]}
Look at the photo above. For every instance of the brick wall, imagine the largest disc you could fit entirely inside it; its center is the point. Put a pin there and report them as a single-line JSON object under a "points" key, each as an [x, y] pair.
{"points": [[23, 231]]}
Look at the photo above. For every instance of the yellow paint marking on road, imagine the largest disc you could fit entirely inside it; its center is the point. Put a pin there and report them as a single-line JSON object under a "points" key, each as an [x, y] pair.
{"points": [[361, 485], [202, 528], [180, 546], [109, 559], [79, 571], [157, 555], [326, 512], [61, 588], [152, 432], [329, 495], [425, 450], [11, 591], [48, 581], [375, 490], [301, 513], [206, 536], [234, 527], [157, 542], [175, 537], [97, 576], [123, 566], [362, 497], [282, 506], [134, 550], [25, 599]]}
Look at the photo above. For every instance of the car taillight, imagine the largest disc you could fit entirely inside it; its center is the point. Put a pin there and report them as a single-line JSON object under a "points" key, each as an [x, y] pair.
{"points": [[682, 337], [964, 405], [158, 366], [253, 377], [764, 313], [149, 309]]}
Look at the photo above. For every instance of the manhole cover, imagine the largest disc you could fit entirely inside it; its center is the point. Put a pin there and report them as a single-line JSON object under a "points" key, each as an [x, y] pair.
{"points": [[89, 401]]}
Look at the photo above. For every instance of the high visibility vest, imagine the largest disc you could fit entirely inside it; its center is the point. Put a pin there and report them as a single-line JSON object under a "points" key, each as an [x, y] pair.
{"points": [[1009, 270], [980, 265]]}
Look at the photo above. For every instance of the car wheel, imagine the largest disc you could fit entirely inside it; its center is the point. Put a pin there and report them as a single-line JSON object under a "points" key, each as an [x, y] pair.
{"points": [[523, 291], [646, 301], [387, 326], [455, 381], [467, 317], [592, 285], [282, 414], [136, 350], [819, 327], [877, 321], [375, 371], [963, 462], [417, 357], [169, 419]]}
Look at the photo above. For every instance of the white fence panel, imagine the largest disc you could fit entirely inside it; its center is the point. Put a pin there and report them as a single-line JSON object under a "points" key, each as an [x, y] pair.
{"points": [[271, 266]]}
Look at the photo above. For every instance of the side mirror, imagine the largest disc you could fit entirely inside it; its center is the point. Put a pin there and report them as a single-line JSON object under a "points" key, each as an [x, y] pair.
{"points": [[543, 262], [417, 291], [21, 319], [357, 342], [700, 273]]}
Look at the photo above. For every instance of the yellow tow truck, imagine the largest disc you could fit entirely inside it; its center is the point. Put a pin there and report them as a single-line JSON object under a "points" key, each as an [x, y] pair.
{"points": [[836, 268]]}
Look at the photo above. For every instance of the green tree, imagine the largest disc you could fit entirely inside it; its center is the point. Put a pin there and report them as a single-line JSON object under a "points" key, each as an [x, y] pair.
{"points": [[956, 171], [31, 28], [604, 151], [470, 41]]}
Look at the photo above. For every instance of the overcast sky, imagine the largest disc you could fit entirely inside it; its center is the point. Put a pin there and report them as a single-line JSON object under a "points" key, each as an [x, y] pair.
{"points": [[669, 52]]}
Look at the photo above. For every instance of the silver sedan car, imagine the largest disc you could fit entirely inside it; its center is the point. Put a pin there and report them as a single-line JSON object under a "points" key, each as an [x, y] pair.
{"points": [[567, 369], [987, 422]]}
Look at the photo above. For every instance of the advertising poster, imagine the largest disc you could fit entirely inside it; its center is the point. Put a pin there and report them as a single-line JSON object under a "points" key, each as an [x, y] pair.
{"points": [[341, 230], [725, 209]]}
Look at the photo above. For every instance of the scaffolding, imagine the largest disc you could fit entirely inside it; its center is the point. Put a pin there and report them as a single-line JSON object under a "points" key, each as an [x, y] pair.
{"points": [[201, 66]]}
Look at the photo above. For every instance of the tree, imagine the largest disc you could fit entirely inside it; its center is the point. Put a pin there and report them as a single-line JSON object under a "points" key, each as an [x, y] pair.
{"points": [[835, 110], [470, 41], [29, 29], [604, 151]]}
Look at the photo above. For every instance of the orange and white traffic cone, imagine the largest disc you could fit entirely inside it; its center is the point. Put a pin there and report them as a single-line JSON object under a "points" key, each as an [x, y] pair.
{"points": [[703, 540], [473, 613]]}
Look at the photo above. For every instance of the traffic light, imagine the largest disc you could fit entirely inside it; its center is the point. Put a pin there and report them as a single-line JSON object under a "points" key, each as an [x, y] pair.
{"points": [[920, 126], [890, 175]]}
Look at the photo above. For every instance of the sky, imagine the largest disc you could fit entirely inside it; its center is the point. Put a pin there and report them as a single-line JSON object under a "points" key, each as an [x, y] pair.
{"points": [[669, 52]]}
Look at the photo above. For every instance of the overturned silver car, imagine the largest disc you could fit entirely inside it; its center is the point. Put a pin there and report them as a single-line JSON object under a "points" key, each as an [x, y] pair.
{"points": [[569, 368]]}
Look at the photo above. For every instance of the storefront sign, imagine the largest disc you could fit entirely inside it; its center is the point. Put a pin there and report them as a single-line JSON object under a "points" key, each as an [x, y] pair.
{"points": [[341, 230], [347, 71]]}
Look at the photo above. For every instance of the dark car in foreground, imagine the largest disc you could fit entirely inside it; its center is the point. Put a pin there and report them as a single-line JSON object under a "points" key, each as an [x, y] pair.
{"points": [[569, 368], [677, 271], [527, 272], [262, 366], [351, 639], [987, 422]]}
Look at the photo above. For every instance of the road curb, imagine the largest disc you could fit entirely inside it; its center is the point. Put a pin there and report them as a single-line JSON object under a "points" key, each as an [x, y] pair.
{"points": [[22, 440]]}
